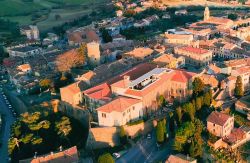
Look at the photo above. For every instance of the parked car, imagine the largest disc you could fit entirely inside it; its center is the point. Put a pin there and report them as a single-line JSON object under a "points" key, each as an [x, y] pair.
{"points": [[116, 155]]}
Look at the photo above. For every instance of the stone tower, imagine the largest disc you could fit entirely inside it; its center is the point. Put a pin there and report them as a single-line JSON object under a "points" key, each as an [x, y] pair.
{"points": [[206, 13]]}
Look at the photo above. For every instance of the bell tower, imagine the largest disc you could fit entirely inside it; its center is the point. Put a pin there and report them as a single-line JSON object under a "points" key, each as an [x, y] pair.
{"points": [[206, 13]]}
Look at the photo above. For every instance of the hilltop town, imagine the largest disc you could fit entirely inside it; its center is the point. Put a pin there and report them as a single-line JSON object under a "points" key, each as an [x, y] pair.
{"points": [[150, 83]]}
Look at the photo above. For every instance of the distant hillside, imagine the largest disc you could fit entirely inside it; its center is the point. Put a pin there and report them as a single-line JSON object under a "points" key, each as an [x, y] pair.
{"points": [[25, 7]]}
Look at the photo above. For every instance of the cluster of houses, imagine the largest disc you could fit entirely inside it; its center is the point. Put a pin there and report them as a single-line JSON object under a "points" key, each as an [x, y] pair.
{"points": [[129, 76]]}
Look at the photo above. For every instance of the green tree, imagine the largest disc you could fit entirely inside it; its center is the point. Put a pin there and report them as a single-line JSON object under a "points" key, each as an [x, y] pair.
{"points": [[160, 132], [242, 1], [232, 16], [45, 83], [189, 109], [198, 103], [106, 158], [171, 122], [198, 86], [161, 101], [27, 138], [82, 53], [12, 144], [36, 140], [17, 129], [238, 91], [207, 99], [179, 114], [63, 127], [123, 136], [105, 35], [183, 133]]}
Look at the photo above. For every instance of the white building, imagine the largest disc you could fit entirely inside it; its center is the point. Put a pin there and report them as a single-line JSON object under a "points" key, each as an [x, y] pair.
{"points": [[31, 32], [220, 124], [24, 51], [120, 111]]}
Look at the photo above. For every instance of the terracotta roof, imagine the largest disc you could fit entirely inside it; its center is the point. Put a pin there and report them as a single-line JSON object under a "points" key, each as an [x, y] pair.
{"points": [[244, 102], [75, 37], [235, 135], [24, 67], [100, 92], [91, 35], [243, 70], [174, 75], [209, 80], [119, 84], [218, 118], [194, 50], [134, 72], [166, 58], [218, 20], [179, 158], [158, 83], [74, 88], [214, 68], [182, 76], [119, 104], [178, 36], [141, 52], [89, 75], [238, 62], [67, 156]]}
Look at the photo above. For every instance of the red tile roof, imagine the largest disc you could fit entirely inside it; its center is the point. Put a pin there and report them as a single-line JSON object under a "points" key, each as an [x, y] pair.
{"points": [[68, 156], [175, 75], [194, 50], [182, 76], [134, 72], [99, 92], [119, 104], [236, 135], [218, 118], [74, 88]]}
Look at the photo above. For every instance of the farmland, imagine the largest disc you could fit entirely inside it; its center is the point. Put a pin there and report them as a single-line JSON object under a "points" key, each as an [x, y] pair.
{"points": [[44, 12]]}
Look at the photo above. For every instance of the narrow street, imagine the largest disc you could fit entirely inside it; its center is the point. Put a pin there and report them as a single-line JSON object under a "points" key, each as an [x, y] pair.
{"points": [[4, 136], [146, 151]]}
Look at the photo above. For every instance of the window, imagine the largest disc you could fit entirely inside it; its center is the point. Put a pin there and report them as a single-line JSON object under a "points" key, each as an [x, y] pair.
{"points": [[103, 115]]}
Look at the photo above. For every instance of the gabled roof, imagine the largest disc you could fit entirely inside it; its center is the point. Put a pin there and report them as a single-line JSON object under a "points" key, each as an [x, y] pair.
{"points": [[99, 92], [141, 52], [119, 104], [74, 88], [218, 118], [66, 156], [182, 76], [194, 50], [179, 158]]}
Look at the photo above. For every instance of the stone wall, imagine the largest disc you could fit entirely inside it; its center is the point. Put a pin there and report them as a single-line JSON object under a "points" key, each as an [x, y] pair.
{"points": [[103, 137], [76, 112]]}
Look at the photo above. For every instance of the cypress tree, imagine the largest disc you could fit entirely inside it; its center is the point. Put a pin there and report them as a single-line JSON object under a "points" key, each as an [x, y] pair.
{"points": [[239, 87]]}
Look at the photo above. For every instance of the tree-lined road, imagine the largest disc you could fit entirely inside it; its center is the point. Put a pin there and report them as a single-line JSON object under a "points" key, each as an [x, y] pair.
{"points": [[5, 134]]}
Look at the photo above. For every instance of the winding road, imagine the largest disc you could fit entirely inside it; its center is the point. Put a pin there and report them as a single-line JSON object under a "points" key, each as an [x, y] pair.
{"points": [[5, 134]]}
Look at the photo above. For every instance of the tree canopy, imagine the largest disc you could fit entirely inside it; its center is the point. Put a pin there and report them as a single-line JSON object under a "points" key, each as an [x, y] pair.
{"points": [[106, 158], [198, 86], [238, 91], [43, 131]]}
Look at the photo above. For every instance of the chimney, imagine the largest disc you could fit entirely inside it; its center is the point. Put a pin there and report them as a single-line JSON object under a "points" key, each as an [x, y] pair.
{"points": [[126, 80]]}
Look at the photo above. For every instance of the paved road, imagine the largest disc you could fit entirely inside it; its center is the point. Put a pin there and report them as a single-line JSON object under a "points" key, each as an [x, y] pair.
{"points": [[145, 151], [4, 136]]}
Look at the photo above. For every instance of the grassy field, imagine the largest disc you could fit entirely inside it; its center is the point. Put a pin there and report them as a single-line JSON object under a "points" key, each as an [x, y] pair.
{"points": [[43, 12]]}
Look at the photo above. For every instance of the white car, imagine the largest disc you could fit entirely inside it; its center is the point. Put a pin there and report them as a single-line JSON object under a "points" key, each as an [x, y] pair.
{"points": [[116, 155]]}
